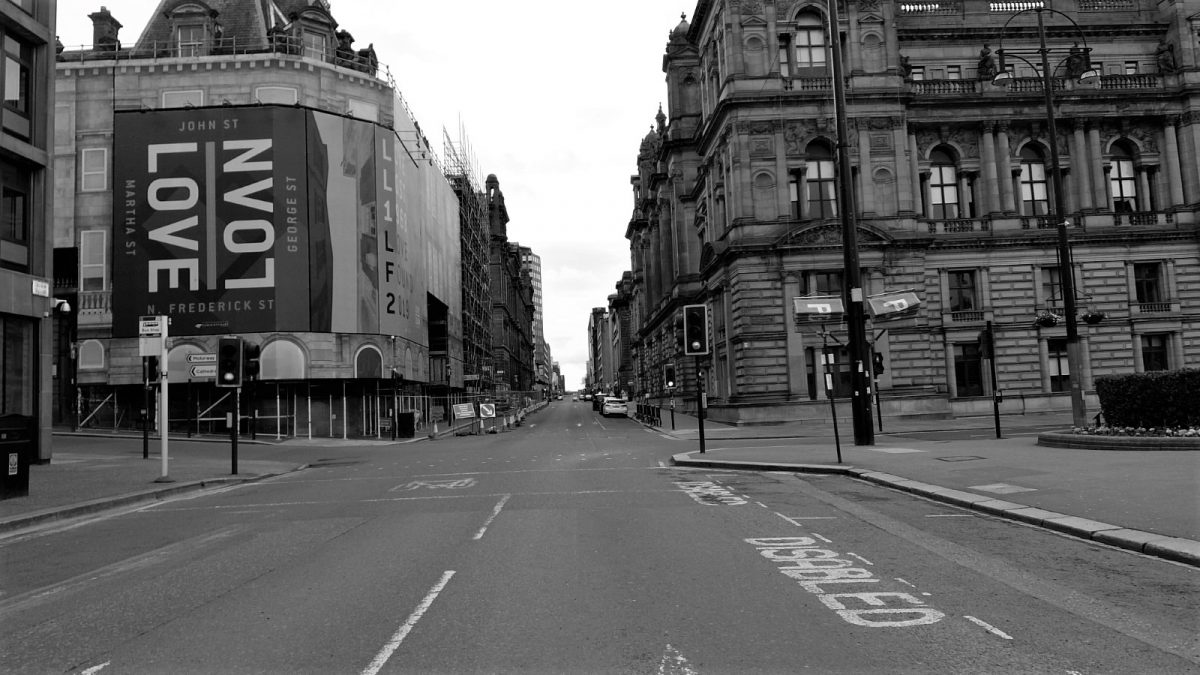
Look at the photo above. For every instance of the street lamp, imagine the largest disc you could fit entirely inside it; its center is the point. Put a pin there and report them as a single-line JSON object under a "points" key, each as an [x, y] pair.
{"points": [[1080, 64]]}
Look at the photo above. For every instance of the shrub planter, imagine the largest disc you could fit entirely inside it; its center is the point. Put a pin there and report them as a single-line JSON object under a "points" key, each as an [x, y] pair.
{"points": [[1058, 439]]}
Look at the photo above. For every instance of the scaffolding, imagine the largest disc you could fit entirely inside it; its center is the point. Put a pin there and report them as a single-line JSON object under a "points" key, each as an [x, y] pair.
{"points": [[462, 172]]}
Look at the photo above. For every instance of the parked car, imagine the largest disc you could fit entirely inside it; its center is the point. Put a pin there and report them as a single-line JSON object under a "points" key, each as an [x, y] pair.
{"points": [[614, 406]]}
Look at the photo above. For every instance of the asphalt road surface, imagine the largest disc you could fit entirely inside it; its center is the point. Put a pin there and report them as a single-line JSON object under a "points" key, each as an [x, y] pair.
{"points": [[572, 546]]}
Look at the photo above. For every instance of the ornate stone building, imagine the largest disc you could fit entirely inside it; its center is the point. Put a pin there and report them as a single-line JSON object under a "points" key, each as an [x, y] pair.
{"points": [[735, 200], [512, 301], [360, 241]]}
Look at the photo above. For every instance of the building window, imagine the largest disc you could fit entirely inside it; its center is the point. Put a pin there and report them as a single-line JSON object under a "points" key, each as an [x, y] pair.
{"points": [[316, 45], [953, 72], [943, 186], [1146, 282], [917, 73], [93, 169], [1059, 365], [961, 285], [1154, 352], [189, 40], [809, 43], [825, 283], [1123, 181], [93, 259], [1052, 288], [18, 386], [822, 192], [1131, 67], [18, 64], [1034, 195], [968, 369], [14, 205]]}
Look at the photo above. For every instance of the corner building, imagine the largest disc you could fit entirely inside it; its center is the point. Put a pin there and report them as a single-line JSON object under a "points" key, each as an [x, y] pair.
{"points": [[245, 169], [735, 201]]}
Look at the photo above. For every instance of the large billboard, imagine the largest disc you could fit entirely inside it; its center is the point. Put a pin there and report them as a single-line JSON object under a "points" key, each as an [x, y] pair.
{"points": [[263, 219]]}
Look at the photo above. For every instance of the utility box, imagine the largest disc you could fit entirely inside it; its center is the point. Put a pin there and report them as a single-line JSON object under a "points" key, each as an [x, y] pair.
{"points": [[16, 449], [406, 424]]}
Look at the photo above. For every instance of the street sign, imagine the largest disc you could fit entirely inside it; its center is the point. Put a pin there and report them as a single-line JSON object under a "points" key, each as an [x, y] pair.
{"points": [[893, 305], [150, 346], [487, 409], [820, 308], [150, 326], [463, 410], [202, 358], [208, 370]]}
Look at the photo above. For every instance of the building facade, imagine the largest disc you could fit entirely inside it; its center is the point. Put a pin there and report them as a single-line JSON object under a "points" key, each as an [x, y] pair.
{"points": [[34, 319], [736, 201], [512, 301], [543, 379], [244, 170]]}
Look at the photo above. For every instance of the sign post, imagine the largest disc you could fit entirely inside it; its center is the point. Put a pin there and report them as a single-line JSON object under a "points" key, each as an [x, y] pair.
{"points": [[156, 326]]}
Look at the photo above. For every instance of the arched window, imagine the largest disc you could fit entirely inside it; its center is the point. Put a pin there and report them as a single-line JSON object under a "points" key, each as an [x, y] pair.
{"points": [[809, 41], [943, 186], [822, 192], [1033, 183], [1123, 180]]}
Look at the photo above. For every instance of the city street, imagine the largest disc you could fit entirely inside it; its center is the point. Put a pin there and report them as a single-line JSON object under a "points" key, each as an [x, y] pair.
{"points": [[572, 545]]}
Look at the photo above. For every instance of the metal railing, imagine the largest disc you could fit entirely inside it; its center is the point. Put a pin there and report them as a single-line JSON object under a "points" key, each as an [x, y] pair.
{"points": [[361, 60]]}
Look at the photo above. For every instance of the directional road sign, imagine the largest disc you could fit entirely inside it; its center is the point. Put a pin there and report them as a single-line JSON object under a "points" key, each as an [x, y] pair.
{"points": [[202, 358], [207, 370]]}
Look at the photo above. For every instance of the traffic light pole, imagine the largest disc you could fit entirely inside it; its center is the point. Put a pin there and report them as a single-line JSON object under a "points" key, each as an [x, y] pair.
{"points": [[700, 402], [233, 428], [163, 407]]}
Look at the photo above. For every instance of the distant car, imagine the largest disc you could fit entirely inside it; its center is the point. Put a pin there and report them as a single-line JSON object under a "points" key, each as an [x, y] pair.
{"points": [[574, 398], [615, 406], [560, 397]]}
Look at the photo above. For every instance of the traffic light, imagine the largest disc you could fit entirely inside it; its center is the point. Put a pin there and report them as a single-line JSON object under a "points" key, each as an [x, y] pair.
{"points": [[669, 376], [695, 330], [229, 362], [250, 355], [877, 363], [150, 372]]}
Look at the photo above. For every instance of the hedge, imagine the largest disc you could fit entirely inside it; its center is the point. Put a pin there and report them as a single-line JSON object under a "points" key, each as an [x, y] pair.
{"points": [[1160, 399]]}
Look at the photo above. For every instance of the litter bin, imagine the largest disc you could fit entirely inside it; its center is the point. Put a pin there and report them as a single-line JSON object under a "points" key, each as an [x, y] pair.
{"points": [[406, 424], [16, 449]]}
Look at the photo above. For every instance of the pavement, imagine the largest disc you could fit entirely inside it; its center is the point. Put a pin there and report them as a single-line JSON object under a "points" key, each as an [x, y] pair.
{"points": [[1144, 501]]}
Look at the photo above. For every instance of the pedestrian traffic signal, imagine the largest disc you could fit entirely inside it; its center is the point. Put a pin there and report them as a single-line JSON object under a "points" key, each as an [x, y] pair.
{"points": [[150, 373], [229, 362], [877, 363], [250, 355], [695, 330], [669, 376]]}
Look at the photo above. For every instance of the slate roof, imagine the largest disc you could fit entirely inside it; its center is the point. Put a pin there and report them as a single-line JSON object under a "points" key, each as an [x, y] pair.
{"points": [[243, 21]]}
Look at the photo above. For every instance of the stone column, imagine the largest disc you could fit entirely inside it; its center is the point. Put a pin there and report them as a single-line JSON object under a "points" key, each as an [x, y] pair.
{"points": [[783, 177], [865, 180], [989, 190], [1099, 188], [964, 183], [1175, 172], [904, 168], [914, 158], [1081, 169], [1005, 169]]}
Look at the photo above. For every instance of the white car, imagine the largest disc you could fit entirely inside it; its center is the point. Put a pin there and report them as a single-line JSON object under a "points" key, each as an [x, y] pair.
{"points": [[614, 406]]}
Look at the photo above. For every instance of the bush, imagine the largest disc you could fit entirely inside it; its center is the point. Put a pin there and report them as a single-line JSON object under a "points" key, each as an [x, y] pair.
{"points": [[1159, 399]]}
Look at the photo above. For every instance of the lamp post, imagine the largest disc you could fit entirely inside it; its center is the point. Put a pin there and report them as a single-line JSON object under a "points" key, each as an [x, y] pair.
{"points": [[1058, 215]]}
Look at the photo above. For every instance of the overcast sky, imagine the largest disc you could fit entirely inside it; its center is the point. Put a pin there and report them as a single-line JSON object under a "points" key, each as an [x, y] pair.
{"points": [[553, 97]]}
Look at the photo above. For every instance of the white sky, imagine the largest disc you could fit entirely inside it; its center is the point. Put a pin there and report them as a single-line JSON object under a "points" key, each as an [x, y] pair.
{"points": [[554, 98]]}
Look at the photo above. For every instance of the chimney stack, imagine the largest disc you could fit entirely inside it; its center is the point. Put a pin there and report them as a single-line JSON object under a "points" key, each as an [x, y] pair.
{"points": [[104, 30]]}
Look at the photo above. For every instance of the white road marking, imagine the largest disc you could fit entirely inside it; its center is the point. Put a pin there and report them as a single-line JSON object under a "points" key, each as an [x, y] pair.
{"points": [[988, 627], [906, 582], [95, 669], [673, 663], [949, 515], [1001, 488], [394, 643], [896, 451], [864, 560], [793, 519], [495, 512], [824, 539]]}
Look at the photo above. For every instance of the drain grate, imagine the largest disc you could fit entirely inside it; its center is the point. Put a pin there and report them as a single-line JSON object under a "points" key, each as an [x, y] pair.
{"points": [[964, 458]]}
